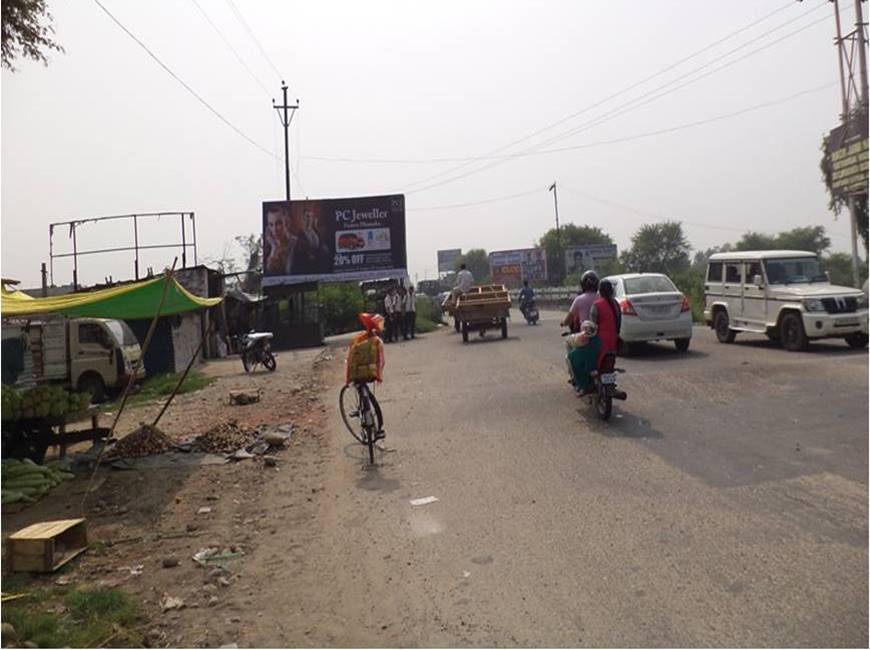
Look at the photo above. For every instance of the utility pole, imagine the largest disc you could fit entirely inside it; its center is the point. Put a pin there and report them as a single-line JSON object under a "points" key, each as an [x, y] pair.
{"points": [[851, 93], [558, 230], [286, 118]]}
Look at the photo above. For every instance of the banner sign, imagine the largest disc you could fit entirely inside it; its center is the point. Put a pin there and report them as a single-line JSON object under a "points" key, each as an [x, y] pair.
{"points": [[584, 258], [447, 259], [334, 240], [846, 157], [510, 268]]}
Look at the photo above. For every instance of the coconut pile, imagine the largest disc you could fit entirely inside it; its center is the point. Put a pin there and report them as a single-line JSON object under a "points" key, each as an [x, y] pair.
{"points": [[225, 438], [144, 441]]}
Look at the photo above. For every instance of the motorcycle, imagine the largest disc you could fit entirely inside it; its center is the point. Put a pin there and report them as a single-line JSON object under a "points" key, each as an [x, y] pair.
{"points": [[604, 389], [256, 349], [529, 311]]}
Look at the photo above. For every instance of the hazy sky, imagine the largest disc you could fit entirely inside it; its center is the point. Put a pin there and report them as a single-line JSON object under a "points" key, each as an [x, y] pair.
{"points": [[105, 130]]}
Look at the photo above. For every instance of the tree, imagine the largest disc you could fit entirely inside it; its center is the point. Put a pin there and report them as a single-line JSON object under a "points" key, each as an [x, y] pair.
{"points": [[477, 261], [658, 248], [699, 261], [27, 31], [809, 238], [569, 235], [839, 268], [252, 252], [755, 241], [837, 204]]}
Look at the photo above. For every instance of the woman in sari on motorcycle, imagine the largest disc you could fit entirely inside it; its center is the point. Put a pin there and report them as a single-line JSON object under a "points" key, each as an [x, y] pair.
{"points": [[607, 314]]}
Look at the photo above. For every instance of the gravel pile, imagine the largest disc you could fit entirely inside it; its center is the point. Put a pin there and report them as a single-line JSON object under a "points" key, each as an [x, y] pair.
{"points": [[144, 441], [225, 438]]}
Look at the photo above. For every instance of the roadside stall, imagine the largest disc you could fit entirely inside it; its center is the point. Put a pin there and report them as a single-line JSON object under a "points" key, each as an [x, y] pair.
{"points": [[57, 377]]}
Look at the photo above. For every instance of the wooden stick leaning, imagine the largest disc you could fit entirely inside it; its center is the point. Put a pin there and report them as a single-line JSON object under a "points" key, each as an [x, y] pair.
{"points": [[132, 379], [184, 375]]}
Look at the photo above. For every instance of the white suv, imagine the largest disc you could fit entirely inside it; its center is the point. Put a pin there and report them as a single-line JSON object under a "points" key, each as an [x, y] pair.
{"points": [[783, 294]]}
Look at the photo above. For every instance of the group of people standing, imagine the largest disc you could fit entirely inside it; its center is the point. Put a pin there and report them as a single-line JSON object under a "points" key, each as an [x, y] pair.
{"points": [[400, 307]]}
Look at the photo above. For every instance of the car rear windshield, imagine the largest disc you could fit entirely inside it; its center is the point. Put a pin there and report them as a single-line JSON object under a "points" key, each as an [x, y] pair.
{"points": [[794, 270], [648, 284], [121, 331]]}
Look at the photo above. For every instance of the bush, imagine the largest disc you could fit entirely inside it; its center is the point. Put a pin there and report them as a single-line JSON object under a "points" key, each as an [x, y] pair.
{"points": [[339, 306], [691, 283]]}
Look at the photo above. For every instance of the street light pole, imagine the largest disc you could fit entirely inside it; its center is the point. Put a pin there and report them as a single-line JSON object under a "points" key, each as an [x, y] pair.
{"points": [[558, 231]]}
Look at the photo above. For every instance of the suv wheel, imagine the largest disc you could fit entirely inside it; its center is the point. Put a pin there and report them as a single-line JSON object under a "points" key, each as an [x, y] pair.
{"points": [[682, 344], [857, 340], [93, 384], [723, 327], [792, 334]]}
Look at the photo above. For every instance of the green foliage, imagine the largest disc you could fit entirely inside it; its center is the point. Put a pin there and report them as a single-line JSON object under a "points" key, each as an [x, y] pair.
{"points": [[477, 261], [27, 31], [162, 385], [605, 268], [339, 306], [837, 205], [808, 238], [569, 235], [839, 268], [91, 617], [691, 282], [657, 248]]}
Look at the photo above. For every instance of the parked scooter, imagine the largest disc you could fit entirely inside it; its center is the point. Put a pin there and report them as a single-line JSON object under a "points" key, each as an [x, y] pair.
{"points": [[604, 389], [530, 311], [256, 349]]}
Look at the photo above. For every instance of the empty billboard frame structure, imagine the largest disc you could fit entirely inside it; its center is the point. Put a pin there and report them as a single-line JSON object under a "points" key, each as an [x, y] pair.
{"points": [[76, 253]]}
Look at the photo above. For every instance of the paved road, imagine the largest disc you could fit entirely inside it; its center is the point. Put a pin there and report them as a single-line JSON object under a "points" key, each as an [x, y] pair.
{"points": [[725, 504]]}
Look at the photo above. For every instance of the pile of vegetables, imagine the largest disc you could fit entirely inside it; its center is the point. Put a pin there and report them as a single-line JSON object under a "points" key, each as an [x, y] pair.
{"points": [[41, 402], [24, 480]]}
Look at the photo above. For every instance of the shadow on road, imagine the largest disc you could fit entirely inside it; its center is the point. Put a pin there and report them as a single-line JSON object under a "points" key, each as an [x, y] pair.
{"points": [[661, 351], [827, 347], [620, 424]]}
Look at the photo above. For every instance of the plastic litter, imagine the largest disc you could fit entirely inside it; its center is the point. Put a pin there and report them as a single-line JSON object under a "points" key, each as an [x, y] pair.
{"points": [[423, 501]]}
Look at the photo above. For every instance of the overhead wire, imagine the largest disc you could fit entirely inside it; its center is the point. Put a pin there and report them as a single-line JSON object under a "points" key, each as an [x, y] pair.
{"points": [[253, 36], [628, 107], [455, 206], [182, 82], [628, 104], [231, 48], [586, 145]]}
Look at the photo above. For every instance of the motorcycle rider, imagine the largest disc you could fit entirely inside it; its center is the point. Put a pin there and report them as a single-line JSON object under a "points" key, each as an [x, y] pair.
{"points": [[582, 304], [527, 295], [607, 315]]}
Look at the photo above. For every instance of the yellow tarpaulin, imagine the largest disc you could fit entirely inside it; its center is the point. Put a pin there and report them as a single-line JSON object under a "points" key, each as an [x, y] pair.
{"points": [[127, 302]]}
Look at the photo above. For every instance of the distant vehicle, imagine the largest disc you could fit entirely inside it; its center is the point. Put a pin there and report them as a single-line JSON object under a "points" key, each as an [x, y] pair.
{"points": [[530, 312], [351, 242], [653, 309], [783, 294], [256, 349], [91, 355]]}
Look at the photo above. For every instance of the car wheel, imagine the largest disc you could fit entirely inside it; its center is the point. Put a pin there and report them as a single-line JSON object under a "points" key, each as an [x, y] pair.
{"points": [[792, 334], [723, 327], [682, 344], [93, 384], [465, 332], [857, 340]]}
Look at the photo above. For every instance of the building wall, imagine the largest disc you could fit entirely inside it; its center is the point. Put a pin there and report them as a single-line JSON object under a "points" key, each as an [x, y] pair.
{"points": [[186, 336]]}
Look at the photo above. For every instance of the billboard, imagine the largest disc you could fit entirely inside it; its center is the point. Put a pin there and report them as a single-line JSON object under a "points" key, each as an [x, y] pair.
{"points": [[510, 268], [846, 157], [447, 259], [334, 240], [583, 258]]}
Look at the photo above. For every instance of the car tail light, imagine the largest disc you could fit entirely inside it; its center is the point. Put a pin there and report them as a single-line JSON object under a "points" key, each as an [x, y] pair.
{"points": [[686, 306], [627, 308]]}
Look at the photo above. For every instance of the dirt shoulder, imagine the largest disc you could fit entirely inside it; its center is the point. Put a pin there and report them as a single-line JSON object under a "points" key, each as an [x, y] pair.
{"points": [[141, 522]]}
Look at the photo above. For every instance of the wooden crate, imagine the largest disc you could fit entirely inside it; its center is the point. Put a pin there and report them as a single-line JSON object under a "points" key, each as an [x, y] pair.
{"points": [[47, 546]]}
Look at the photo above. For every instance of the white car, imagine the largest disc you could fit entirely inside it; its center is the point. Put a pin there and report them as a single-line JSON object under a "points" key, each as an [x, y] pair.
{"points": [[783, 294], [653, 309]]}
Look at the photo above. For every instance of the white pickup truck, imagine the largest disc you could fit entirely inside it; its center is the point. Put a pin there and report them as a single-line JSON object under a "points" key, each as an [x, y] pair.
{"points": [[85, 354], [783, 294]]}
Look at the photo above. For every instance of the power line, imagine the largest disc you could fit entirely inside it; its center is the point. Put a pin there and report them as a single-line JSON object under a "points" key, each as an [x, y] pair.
{"points": [[253, 36], [587, 145], [182, 82], [231, 48], [482, 202], [625, 108]]}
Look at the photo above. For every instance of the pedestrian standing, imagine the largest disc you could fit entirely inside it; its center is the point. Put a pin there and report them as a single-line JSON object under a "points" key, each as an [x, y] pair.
{"points": [[391, 304], [400, 312], [410, 313]]}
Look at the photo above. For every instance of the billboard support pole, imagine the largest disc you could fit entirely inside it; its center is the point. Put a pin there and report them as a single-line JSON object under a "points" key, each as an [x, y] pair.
{"points": [[286, 118], [558, 231]]}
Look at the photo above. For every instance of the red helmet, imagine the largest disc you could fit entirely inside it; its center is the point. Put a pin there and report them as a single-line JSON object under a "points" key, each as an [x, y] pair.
{"points": [[372, 322]]}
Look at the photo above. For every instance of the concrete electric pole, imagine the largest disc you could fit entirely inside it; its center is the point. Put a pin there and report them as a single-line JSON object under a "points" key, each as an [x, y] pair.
{"points": [[558, 231]]}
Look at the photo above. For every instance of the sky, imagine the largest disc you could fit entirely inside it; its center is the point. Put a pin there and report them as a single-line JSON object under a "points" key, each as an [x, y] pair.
{"points": [[105, 130]]}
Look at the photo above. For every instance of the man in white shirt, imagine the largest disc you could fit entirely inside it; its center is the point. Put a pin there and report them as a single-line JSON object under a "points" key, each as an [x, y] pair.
{"points": [[391, 306], [464, 279], [410, 313]]}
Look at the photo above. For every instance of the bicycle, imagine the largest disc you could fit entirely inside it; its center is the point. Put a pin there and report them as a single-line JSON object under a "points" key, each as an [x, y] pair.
{"points": [[362, 415]]}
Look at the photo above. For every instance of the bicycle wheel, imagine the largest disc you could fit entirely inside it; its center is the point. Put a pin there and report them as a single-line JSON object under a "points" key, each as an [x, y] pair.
{"points": [[350, 405], [370, 442], [379, 416]]}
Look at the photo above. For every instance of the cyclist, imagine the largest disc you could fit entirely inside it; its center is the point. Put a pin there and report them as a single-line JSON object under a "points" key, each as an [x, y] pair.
{"points": [[365, 359]]}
